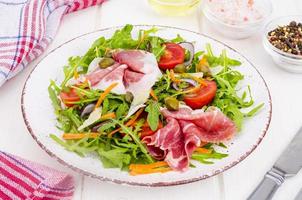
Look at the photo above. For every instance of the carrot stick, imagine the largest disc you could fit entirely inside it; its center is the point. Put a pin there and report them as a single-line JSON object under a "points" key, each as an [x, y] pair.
{"points": [[76, 136], [158, 170], [108, 116], [203, 150], [104, 94], [132, 120], [153, 95], [137, 169], [195, 89], [146, 166], [129, 123], [173, 78]]}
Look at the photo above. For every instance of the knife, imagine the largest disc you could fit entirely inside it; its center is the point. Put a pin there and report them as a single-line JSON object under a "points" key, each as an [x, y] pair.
{"points": [[287, 165], [299, 195]]}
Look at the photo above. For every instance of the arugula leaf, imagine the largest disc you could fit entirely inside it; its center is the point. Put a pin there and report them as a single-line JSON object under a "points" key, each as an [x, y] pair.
{"points": [[221, 60], [153, 111], [157, 47], [92, 53], [136, 139], [252, 112], [114, 158], [178, 39], [107, 126], [122, 110], [122, 39], [73, 64], [206, 158], [195, 61], [54, 98], [227, 98]]}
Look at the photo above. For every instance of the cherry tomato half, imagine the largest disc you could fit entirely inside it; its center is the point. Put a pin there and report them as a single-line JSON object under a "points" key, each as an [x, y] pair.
{"points": [[70, 96], [174, 54], [201, 97]]}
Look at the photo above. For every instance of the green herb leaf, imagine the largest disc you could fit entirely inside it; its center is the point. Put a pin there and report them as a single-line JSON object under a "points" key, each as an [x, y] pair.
{"points": [[206, 158], [114, 158], [153, 111]]}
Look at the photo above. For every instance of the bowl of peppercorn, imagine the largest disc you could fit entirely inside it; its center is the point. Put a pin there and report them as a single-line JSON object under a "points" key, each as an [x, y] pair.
{"points": [[283, 41]]}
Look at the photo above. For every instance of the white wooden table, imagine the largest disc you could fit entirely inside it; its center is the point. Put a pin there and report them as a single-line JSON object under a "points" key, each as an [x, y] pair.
{"points": [[236, 183]]}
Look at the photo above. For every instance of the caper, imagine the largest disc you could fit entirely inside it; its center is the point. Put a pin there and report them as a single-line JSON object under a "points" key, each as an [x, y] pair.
{"points": [[180, 68], [171, 103], [129, 97], [106, 62], [187, 55], [204, 69]]}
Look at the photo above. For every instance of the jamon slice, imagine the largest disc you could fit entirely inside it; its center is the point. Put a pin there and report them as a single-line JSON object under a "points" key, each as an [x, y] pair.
{"points": [[213, 125], [135, 71], [141, 75], [184, 132], [115, 76], [169, 140], [97, 75]]}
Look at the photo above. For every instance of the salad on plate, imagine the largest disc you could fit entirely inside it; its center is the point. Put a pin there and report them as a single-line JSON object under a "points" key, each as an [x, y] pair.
{"points": [[150, 104]]}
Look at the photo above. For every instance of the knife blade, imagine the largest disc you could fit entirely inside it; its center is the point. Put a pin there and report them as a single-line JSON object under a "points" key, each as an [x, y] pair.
{"points": [[288, 164], [290, 161]]}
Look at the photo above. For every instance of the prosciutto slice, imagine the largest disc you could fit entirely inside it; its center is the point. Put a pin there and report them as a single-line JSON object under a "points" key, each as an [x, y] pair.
{"points": [[135, 71], [169, 140], [184, 132], [140, 76], [213, 126]]}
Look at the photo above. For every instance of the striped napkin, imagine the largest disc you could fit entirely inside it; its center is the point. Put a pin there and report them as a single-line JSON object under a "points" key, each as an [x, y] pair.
{"points": [[22, 179], [27, 27]]}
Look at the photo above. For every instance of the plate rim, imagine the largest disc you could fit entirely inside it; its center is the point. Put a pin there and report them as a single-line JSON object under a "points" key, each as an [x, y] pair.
{"points": [[131, 183]]}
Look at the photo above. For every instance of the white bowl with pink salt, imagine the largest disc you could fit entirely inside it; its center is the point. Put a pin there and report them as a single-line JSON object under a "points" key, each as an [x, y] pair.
{"points": [[237, 19]]}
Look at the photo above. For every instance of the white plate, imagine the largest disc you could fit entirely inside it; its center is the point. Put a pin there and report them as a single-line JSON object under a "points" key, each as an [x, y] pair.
{"points": [[40, 119]]}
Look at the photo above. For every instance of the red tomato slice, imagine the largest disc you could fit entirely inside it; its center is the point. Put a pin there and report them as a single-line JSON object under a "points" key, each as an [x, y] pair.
{"points": [[174, 55], [70, 96], [201, 97], [146, 130]]}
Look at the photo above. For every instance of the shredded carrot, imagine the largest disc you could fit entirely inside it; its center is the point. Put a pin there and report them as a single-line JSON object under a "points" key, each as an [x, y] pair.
{"points": [[76, 136], [200, 81], [153, 95], [113, 132], [157, 170], [137, 169], [193, 90], [104, 94], [129, 123], [203, 150], [133, 119], [148, 166], [108, 116], [173, 78]]}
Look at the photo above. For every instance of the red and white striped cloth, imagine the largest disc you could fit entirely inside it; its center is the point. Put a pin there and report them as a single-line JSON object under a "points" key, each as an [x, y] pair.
{"points": [[21, 179], [27, 27]]}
